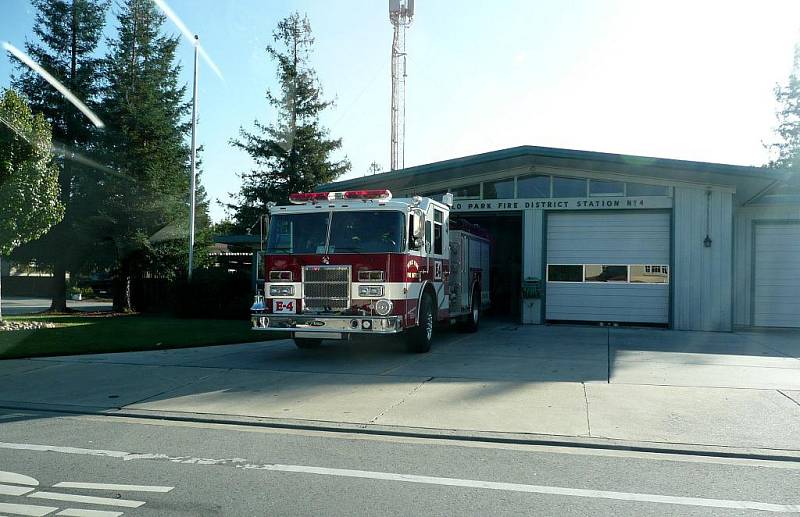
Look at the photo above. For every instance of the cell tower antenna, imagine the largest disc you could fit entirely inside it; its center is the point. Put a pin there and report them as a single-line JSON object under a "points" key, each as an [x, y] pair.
{"points": [[400, 14]]}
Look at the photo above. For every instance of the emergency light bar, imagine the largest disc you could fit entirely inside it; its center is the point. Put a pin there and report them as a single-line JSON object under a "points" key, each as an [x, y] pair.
{"points": [[315, 197]]}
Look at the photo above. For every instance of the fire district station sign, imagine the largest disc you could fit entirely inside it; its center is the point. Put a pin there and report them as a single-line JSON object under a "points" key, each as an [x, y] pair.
{"points": [[580, 203]]}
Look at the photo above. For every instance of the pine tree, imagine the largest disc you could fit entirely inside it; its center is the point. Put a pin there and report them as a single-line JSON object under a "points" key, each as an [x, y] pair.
{"points": [[146, 110], [787, 151], [67, 34], [292, 154]]}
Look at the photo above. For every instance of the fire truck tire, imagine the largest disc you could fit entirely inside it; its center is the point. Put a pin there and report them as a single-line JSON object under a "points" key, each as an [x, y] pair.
{"points": [[474, 316], [419, 338], [306, 343]]}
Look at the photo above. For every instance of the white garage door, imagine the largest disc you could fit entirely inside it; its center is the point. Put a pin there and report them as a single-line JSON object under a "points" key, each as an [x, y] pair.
{"points": [[609, 266], [776, 302]]}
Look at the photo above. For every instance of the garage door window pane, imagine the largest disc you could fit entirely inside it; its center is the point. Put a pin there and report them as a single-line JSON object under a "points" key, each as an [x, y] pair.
{"points": [[569, 187], [565, 273], [533, 186], [650, 274], [606, 188], [598, 273], [640, 189], [470, 191], [498, 189]]}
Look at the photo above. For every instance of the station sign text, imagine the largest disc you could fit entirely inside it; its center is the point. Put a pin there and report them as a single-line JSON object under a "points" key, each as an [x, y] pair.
{"points": [[611, 203]]}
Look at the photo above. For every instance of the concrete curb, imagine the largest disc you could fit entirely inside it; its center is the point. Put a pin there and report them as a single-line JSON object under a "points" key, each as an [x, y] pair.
{"points": [[685, 449]]}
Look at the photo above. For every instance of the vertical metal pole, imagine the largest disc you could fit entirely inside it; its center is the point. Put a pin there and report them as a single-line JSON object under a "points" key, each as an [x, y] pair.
{"points": [[193, 178]]}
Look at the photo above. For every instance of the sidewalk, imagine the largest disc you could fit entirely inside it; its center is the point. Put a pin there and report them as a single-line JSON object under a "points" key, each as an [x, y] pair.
{"points": [[730, 390]]}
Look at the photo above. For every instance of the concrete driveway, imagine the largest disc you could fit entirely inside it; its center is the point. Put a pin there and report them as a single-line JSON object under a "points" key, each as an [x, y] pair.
{"points": [[733, 390]]}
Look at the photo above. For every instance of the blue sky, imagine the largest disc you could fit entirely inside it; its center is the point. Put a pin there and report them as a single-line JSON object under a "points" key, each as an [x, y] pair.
{"points": [[681, 79]]}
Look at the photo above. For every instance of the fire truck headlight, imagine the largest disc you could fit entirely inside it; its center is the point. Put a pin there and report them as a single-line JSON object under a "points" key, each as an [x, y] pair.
{"points": [[383, 307], [370, 291], [281, 290]]}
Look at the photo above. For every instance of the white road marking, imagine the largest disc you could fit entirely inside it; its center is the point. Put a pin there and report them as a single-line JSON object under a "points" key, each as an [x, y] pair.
{"points": [[112, 486], [537, 489], [26, 509], [77, 512], [412, 478], [89, 499], [18, 479], [14, 490]]}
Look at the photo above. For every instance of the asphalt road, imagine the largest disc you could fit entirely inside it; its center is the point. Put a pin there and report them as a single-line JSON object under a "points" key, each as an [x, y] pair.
{"points": [[183, 468], [19, 305]]}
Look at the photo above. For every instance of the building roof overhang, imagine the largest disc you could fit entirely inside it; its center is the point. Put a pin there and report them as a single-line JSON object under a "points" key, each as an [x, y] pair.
{"points": [[748, 182]]}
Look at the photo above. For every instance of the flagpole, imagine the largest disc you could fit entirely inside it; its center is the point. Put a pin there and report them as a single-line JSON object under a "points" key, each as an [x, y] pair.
{"points": [[193, 179]]}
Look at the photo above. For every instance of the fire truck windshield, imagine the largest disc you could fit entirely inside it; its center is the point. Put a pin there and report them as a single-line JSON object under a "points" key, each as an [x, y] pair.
{"points": [[373, 231], [298, 233], [363, 231]]}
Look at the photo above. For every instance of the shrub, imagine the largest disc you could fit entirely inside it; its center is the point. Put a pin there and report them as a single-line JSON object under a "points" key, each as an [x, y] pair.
{"points": [[214, 293]]}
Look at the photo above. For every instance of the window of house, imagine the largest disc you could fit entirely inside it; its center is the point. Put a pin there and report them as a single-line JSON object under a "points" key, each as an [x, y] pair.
{"points": [[437, 196], [569, 187], [533, 186], [640, 189], [470, 191], [606, 188], [502, 189]]}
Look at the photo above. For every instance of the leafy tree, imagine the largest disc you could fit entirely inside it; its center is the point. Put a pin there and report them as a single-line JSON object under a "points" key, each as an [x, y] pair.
{"points": [[67, 34], [293, 153], [146, 204], [29, 197]]}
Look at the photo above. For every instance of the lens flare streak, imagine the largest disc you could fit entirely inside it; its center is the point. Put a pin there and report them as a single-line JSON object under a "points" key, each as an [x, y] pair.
{"points": [[54, 82], [188, 34]]}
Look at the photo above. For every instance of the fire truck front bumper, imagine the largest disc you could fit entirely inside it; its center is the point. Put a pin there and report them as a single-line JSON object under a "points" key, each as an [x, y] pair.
{"points": [[309, 323]]}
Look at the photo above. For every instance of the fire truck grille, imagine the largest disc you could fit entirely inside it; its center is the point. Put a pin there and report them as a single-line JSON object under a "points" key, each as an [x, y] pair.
{"points": [[326, 288]]}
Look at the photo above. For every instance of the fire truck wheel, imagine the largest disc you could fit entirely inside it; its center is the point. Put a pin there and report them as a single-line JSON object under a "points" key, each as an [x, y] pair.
{"points": [[306, 342], [474, 316], [419, 338]]}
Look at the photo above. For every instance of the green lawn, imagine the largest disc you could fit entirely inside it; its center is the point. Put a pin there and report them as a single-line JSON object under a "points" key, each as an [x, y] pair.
{"points": [[87, 334]]}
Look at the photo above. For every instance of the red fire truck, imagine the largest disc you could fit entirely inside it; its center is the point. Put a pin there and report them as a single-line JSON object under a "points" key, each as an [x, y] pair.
{"points": [[359, 262]]}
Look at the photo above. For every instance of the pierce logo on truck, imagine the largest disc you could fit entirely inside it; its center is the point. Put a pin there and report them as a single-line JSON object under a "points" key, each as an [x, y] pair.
{"points": [[362, 262]]}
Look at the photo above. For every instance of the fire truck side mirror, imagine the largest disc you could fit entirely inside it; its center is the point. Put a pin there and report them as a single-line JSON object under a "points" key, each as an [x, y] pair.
{"points": [[417, 229]]}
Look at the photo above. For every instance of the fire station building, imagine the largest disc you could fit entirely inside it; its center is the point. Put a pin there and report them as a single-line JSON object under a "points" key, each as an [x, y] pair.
{"points": [[583, 236]]}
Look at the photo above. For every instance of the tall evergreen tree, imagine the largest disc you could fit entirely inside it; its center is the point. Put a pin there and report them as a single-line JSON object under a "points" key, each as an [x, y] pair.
{"points": [[786, 152], [67, 34], [146, 206], [293, 153]]}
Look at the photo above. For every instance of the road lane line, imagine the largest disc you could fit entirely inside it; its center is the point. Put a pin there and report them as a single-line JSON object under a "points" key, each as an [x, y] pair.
{"points": [[412, 478], [26, 509], [536, 489], [15, 490], [77, 512], [88, 499], [17, 479], [112, 486]]}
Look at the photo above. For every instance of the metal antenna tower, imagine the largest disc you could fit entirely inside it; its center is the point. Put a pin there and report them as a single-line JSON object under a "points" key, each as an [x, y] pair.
{"points": [[400, 14]]}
